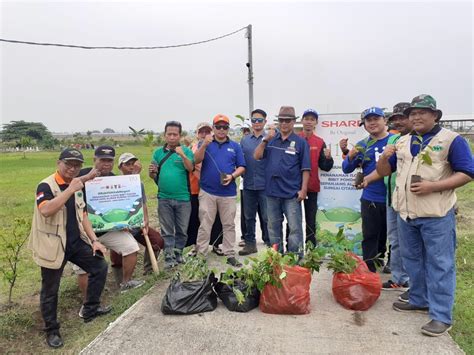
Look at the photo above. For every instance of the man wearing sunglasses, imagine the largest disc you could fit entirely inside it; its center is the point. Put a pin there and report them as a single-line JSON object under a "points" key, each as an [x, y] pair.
{"points": [[287, 169], [254, 184], [222, 162]]}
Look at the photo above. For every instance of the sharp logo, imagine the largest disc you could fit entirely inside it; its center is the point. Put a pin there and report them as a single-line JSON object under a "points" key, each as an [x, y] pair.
{"points": [[349, 123]]}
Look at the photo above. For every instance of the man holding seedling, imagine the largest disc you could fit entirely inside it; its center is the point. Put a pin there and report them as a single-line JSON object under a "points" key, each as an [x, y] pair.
{"points": [[61, 231], [222, 162], [399, 282], [287, 170], [373, 201], [441, 160]]}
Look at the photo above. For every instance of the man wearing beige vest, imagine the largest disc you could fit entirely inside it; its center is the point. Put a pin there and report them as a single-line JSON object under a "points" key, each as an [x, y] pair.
{"points": [[430, 163], [60, 232]]}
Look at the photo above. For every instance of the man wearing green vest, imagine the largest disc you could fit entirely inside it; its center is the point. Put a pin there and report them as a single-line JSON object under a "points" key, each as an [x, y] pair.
{"points": [[399, 281], [430, 163], [170, 168]]}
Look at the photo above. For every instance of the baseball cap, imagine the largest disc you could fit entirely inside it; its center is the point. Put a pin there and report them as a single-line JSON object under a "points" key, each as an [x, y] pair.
{"points": [[202, 125], [221, 118], [310, 111], [371, 111], [105, 151], [71, 154], [126, 157]]}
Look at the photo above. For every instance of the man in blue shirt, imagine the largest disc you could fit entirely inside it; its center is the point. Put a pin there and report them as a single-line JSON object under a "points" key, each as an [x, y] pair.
{"points": [[372, 203], [442, 161], [222, 162], [287, 168], [254, 184]]}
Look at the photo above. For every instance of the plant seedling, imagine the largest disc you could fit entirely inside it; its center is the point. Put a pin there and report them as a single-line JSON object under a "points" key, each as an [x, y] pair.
{"points": [[423, 157], [364, 150]]}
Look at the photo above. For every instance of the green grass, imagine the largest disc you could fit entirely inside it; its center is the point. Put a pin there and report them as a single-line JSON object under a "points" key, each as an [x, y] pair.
{"points": [[20, 326]]}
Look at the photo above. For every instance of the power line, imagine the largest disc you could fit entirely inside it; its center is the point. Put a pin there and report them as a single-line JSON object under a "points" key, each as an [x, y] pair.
{"points": [[113, 47]]}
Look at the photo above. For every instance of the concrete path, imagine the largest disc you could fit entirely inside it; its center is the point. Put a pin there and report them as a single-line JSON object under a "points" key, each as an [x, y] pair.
{"points": [[328, 329]]}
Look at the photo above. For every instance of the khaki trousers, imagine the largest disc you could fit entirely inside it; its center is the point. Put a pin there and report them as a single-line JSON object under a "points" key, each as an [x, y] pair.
{"points": [[208, 207]]}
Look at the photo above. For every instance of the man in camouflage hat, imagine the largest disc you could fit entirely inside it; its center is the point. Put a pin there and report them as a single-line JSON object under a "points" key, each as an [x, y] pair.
{"points": [[399, 281], [442, 160]]}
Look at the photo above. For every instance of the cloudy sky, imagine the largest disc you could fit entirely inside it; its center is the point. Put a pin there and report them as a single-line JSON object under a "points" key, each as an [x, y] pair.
{"points": [[331, 56]]}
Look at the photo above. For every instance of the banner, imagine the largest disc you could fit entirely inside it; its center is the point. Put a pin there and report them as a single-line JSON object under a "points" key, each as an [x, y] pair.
{"points": [[339, 201], [115, 202]]}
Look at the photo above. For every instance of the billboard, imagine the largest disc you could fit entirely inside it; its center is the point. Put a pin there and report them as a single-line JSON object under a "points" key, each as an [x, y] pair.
{"points": [[115, 202], [339, 201]]}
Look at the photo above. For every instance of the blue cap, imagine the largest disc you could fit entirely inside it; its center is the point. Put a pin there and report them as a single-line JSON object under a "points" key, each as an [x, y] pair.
{"points": [[310, 111], [373, 111]]}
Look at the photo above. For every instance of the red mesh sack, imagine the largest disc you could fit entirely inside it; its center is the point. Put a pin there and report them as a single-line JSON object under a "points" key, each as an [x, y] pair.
{"points": [[357, 291], [293, 295]]}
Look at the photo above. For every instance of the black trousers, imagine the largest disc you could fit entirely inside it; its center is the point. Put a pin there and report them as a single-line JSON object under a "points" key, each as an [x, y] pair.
{"points": [[374, 231], [81, 255], [310, 209], [193, 227]]}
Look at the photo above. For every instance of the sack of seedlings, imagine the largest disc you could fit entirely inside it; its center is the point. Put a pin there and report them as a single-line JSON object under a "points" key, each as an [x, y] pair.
{"points": [[235, 297], [190, 297], [292, 296], [357, 290]]}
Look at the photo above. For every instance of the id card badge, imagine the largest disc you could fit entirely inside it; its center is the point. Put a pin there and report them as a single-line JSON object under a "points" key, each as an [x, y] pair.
{"points": [[291, 149]]}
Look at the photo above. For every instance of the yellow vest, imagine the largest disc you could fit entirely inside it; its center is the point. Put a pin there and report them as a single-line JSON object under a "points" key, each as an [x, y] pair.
{"points": [[436, 204], [47, 238]]}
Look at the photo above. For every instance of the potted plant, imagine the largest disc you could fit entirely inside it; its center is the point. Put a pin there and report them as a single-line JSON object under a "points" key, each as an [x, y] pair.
{"points": [[423, 156], [364, 150]]}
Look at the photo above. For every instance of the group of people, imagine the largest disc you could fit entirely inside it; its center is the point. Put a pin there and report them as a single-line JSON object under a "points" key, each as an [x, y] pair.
{"points": [[280, 169]]}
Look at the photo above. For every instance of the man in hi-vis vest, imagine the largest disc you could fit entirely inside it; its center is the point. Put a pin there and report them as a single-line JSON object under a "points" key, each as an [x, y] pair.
{"points": [[430, 162], [60, 232]]}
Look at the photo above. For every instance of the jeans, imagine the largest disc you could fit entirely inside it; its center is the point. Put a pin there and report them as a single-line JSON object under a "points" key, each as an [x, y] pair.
{"points": [[374, 231], [399, 274], [291, 209], [254, 200], [174, 220], [81, 255], [428, 246]]}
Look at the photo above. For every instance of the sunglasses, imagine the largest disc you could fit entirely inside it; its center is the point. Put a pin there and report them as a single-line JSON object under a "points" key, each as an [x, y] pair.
{"points": [[257, 120], [70, 165], [224, 127], [285, 120]]}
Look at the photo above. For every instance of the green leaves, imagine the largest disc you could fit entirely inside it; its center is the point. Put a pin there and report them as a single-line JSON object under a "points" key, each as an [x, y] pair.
{"points": [[342, 262], [423, 153], [194, 269]]}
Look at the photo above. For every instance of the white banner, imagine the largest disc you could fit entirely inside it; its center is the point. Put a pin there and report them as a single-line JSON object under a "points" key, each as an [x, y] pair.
{"points": [[338, 201]]}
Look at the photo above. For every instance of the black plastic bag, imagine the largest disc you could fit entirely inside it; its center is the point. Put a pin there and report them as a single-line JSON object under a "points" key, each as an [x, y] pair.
{"points": [[190, 297], [226, 294]]}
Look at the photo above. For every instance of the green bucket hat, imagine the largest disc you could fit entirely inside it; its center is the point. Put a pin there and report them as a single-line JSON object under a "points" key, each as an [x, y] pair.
{"points": [[423, 101]]}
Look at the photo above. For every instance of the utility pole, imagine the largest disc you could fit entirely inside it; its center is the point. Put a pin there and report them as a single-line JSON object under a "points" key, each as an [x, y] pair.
{"points": [[249, 64]]}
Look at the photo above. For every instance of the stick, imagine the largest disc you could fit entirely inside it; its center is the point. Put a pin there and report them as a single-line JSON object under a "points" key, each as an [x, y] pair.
{"points": [[154, 264]]}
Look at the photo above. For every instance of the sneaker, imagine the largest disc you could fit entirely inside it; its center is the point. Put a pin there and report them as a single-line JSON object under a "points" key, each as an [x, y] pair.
{"points": [[130, 285], [409, 308], [81, 312], [179, 259], [234, 262], [248, 249], [192, 253], [217, 250], [242, 243], [405, 296], [100, 311], [392, 286], [435, 328]]}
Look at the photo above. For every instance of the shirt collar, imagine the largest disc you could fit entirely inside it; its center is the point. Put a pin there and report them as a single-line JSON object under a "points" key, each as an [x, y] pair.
{"points": [[434, 130], [59, 179], [227, 140], [292, 135]]}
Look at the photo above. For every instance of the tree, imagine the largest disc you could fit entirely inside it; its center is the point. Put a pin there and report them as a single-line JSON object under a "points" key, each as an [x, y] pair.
{"points": [[108, 130], [15, 130], [137, 133], [11, 242]]}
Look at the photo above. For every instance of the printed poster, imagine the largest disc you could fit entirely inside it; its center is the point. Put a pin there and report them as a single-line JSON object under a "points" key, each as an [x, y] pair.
{"points": [[115, 202], [339, 201]]}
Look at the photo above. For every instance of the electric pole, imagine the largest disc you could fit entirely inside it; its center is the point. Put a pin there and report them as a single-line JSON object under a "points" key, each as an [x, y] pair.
{"points": [[249, 64]]}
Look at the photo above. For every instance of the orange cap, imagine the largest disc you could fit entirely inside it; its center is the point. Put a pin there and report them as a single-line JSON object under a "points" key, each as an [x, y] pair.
{"points": [[221, 118]]}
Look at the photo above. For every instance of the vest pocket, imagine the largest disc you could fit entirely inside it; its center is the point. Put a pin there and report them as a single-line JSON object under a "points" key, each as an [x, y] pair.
{"points": [[46, 245]]}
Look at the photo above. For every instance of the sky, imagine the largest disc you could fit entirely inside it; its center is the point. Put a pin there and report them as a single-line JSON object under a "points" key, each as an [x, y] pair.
{"points": [[328, 55]]}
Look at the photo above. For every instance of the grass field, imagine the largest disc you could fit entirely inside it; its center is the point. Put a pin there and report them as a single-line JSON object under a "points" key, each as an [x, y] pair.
{"points": [[20, 326]]}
